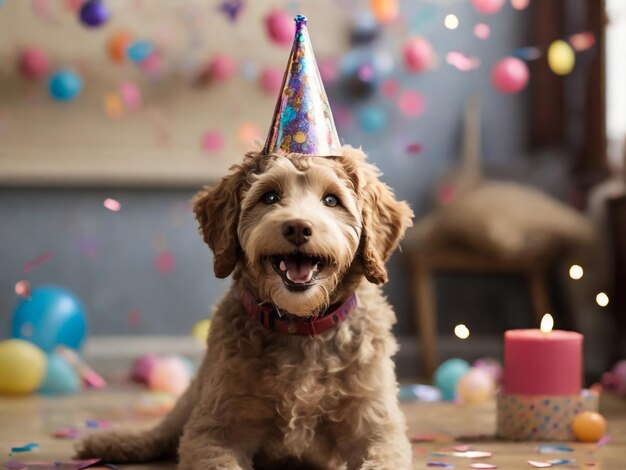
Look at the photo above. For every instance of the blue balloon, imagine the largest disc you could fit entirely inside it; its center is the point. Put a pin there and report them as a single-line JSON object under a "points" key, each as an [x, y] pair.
{"points": [[448, 374], [52, 316], [65, 85], [61, 378], [139, 51], [372, 119]]}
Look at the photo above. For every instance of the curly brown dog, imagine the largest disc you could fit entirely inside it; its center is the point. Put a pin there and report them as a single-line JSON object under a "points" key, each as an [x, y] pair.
{"points": [[298, 370]]}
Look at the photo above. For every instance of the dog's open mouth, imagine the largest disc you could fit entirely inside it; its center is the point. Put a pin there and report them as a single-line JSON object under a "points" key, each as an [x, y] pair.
{"points": [[298, 271]]}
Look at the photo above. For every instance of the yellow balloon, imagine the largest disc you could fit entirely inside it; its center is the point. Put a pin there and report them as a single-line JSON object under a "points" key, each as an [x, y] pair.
{"points": [[201, 330], [22, 367], [561, 57]]}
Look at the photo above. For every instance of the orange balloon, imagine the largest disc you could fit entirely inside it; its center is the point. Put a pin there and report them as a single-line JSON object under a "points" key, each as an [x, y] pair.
{"points": [[385, 11], [589, 426], [117, 45]]}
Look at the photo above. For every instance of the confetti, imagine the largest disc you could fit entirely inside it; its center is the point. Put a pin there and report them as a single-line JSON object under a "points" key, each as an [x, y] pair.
{"points": [[482, 31], [537, 464], [411, 103], [113, 106], [483, 465], [248, 132], [604, 440], [429, 437], [131, 95], [28, 267], [52, 465], [22, 288], [390, 88], [212, 141], [112, 204], [553, 449], [25, 448], [134, 317], [582, 41], [561, 461], [414, 148], [67, 433], [232, 9], [527, 53], [165, 262], [462, 62], [440, 464]]}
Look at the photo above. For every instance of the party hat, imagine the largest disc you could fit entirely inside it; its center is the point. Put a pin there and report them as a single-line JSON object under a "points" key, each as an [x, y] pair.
{"points": [[302, 121]]}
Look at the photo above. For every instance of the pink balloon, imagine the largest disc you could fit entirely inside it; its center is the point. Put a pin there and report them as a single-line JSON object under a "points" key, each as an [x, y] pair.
{"points": [[418, 54], [271, 79], [488, 7], [280, 27], [222, 68], [510, 75], [33, 63]]}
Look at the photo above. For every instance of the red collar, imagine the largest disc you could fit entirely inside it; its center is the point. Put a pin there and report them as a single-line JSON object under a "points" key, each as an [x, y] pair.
{"points": [[270, 318]]}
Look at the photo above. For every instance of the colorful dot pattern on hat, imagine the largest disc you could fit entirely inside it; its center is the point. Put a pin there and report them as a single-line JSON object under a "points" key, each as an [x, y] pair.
{"points": [[530, 418], [302, 122]]}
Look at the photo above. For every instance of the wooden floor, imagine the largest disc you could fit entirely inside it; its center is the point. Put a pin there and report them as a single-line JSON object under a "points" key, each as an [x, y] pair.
{"points": [[34, 419]]}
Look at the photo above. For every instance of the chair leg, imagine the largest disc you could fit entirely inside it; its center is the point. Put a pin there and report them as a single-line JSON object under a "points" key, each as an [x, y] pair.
{"points": [[425, 311]]}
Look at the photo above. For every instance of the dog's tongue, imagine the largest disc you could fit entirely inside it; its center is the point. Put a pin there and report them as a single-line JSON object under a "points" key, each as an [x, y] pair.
{"points": [[299, 269]]}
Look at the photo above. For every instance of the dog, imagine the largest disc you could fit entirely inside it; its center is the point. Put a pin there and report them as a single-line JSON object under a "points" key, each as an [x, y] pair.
{"points": [[283, 384]]}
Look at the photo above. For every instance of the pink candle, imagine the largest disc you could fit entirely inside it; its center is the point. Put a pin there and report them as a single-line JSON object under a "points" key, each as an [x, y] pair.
{"points": [[538, 363]]}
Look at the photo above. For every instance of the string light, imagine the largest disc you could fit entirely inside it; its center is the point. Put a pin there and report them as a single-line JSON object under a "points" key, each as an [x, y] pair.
{"points": [[576, 272], [461, 331], [602, 299], [451, 21]]}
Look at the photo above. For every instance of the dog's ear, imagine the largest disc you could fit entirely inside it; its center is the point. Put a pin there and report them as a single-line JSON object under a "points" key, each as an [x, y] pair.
{"points": [[385, 219], [217, 212]]}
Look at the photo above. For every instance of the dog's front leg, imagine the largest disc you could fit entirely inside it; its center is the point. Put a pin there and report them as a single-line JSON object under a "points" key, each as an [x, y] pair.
{"points": [[381, 442], [207, 451]]}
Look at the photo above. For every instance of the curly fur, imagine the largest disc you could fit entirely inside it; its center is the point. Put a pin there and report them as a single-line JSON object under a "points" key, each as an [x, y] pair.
{"points": [[263, 400]]}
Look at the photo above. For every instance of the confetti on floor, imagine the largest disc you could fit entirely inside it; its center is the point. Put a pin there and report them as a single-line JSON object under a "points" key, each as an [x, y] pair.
{"points": [[25, 448], [67, 433], [440, 464], [553, 449], [65, 465], [485, 466]]}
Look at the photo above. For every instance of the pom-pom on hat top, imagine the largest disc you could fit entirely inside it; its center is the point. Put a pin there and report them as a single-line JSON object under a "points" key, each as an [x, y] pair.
{"points": [[302, 121]]}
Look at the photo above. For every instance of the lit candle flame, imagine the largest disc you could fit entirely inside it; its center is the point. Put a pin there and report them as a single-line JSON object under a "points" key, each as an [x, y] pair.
{"points": [[547, 323]]}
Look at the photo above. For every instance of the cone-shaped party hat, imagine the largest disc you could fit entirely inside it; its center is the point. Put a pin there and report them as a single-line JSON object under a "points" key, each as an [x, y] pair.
{"points": [[302, 121]]}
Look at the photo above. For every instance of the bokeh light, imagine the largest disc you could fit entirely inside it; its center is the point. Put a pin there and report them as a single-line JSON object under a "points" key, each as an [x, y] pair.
{"points": [[602, 299], [461, 331], [576, 272]]}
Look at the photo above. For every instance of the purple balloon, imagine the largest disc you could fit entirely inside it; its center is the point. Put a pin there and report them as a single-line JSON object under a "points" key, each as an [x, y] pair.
{"points": [[94, 13]]}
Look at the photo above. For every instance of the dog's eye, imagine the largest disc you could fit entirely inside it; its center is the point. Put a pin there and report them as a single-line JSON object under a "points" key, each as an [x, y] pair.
{"points": [[270, 198], [330, 200]]}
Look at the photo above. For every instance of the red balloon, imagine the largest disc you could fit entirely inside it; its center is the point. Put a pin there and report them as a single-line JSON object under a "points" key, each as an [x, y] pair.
{"points": [[33, 63], [510, 75], [488, 7], [280, 27], [418, 54]]}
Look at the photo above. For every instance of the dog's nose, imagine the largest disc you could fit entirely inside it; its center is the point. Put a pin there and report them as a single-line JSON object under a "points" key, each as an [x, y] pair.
{"points": [[297, 231]]}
